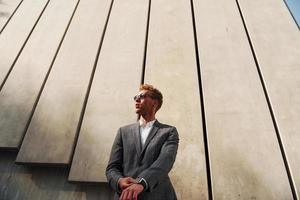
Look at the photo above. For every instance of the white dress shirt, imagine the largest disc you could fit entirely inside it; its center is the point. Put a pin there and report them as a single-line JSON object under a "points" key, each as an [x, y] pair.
{"points": [[145, 129]]}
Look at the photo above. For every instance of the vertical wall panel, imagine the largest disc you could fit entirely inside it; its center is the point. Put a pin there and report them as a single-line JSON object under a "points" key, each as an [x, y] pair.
{"points": [[171, 66], [117, 77], [246, 161], [16, 32], [7, 7], [18, 95], [51, 133], [276, 41]]}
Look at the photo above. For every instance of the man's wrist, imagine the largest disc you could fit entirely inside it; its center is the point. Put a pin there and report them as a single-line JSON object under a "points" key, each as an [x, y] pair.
{"points": [[118, 185], [144, 183]]}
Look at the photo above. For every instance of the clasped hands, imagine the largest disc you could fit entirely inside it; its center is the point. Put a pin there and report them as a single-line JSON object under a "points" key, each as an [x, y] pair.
{"points": [[130, 188]]}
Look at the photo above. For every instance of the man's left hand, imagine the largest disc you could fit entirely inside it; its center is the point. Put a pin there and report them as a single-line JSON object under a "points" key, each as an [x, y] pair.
{"points": [[131, 192]]}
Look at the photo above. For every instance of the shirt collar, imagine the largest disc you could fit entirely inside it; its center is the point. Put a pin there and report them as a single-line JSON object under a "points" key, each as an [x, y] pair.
{"points": [[144, 124]]}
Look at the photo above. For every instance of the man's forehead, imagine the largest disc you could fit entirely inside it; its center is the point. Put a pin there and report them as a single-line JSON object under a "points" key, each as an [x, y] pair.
{"points": [[142, 91]]}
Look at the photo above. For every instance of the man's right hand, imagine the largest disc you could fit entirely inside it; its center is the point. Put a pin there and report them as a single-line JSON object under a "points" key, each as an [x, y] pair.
{"points": [[132, 192], [126, 182]]}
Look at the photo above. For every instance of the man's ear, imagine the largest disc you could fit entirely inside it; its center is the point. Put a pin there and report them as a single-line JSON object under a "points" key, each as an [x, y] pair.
{"points": [[155, 104]]}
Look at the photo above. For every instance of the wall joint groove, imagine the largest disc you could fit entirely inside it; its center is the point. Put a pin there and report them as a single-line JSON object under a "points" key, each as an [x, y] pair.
{"points": [[90, 83], [278, 135], [205, 136], [19, 53]]}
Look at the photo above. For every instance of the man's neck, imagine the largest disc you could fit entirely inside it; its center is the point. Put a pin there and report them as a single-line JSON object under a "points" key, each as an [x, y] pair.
{"points": [[148, 118]]}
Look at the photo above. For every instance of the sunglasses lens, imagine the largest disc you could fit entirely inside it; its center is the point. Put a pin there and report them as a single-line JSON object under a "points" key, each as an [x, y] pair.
{"points": [[139, 96]]}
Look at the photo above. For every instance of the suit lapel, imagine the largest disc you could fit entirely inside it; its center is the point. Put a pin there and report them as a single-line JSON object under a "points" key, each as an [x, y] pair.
{"points": [[151, 135], [137, 138]]}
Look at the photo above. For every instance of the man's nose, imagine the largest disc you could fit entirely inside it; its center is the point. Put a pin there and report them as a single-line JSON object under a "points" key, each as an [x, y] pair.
{"points": [[137, 99]]}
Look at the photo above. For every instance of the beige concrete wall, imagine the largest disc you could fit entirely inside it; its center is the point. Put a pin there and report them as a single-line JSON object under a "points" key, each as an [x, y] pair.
{"points": [[245, 155], [171, 66], [246, 161], [18, 182], [117, 77], [7, 10], [20, 91], [277, 47], [15, 34], [52, 131]]}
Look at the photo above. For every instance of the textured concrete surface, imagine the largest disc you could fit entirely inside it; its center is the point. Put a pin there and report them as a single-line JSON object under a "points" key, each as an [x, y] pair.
{"points": [[6, 11], [18, 96], [117, 79], [51, 133], [171, 66], [246, 161], [19, 182], [277, 46], [15, 33]]}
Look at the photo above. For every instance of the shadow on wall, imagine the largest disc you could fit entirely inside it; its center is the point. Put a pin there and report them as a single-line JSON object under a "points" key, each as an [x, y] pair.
{"points": [[18, 182], [3, 14]]}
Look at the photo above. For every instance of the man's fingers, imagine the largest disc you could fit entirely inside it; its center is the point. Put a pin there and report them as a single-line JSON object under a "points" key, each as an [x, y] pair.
{"points": [[121, 197], [132, 192], [126, 185], [126, 182], [126, 195], [132, 180], [135, 195], [129, 195]]}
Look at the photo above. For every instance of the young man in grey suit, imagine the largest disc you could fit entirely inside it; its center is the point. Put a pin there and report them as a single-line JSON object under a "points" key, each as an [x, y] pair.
{"points": [[143, 153]]}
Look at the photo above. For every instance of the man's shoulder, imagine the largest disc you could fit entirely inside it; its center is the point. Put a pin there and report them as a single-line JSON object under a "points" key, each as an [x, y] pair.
{"points": [[166, 127], [128, 126], [163, 125]]}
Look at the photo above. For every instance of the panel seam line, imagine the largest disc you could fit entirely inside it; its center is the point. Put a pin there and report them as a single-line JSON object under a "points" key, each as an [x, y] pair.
{"points": [[22, 47], [205, 134], [90, 84], [8, 20], [281, 145], [47, 75]]}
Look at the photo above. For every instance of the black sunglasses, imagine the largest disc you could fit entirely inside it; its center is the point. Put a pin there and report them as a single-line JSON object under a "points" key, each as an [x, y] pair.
{"points": [[140, 96]]}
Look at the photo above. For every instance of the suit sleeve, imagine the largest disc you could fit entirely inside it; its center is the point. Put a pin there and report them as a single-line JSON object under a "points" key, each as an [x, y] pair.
{"points": [[114, 169], [164, 163]]}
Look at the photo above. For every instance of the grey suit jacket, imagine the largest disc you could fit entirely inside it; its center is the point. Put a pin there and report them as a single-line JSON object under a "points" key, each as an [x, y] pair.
{"points": [[152, 162]]}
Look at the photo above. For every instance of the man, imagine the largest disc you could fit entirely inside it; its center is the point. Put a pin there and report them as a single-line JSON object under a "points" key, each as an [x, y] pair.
{"points": [[143, 153]]}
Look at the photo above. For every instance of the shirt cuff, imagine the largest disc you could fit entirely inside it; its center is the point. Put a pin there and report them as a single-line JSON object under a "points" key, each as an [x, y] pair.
{"points": [[143, 182], [118, 187]]}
